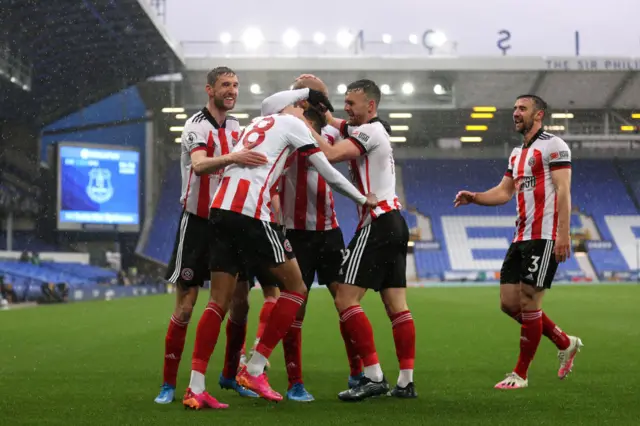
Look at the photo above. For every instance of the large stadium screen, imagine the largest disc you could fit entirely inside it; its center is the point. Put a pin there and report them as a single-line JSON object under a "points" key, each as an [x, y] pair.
{"points": [[98, 187]]}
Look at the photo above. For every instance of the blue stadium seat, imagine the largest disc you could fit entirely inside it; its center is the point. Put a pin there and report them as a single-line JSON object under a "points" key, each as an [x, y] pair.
{"points": [[159, 244], [431, 185]]}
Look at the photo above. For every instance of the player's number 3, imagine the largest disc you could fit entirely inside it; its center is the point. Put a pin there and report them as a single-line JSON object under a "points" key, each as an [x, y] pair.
{"points": [[259, 129]]}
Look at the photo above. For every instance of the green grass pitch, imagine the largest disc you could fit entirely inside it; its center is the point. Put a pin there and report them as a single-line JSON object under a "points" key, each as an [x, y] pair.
{"points": [[100, 363]]}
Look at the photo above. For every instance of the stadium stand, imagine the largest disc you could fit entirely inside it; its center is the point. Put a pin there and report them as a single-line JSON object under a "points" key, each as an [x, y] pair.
{"points": [[457, 242], [99, 49], [161, 235]]}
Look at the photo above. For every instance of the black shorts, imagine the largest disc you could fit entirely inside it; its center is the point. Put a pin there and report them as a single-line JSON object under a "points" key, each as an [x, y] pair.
{"points": [[189, 261], [239, 244], [318, 252], [376, 257], [531, 262]]}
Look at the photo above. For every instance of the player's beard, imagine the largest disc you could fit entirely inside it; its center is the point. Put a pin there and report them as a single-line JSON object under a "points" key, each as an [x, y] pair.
{"points": [[218, 102], [525, 126], [356, 120]]}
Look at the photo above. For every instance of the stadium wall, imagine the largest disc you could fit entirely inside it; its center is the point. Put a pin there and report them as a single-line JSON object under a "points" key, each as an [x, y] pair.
{"points": [[117, 120]]}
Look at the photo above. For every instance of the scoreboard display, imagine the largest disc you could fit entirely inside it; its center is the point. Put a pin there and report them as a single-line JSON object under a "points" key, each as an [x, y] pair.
{"points": [[98, 187]]}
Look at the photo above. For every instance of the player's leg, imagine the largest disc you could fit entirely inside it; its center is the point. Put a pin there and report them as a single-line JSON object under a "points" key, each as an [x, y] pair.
{"points": [[394, 296], [355, 362], [567, 345], [305, 246], [187, 270], [225, 264], [270, 293], [267, 245], [404, 337], [186, 297], [236, 334], [361, 270], [328, 272], [534, 258]]}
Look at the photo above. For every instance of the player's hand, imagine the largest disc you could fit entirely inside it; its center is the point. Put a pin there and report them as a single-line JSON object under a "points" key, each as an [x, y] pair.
{"points": [[320, 101], [372, 200], [562, 248], [463, 198], [249, 158]]}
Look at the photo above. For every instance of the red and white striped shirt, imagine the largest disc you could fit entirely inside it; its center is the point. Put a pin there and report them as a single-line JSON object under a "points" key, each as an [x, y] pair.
{"points": [[248, 190], [537, 201], [202, 132], [305, 198], [374, 171]]}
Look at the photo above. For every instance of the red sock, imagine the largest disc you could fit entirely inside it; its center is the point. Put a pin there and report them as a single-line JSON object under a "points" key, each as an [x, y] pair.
{"points": [[265, 313], [355, 363], [404, 336], [549, 329], [530, 335], [173, 347], [553, 332], [236, 333], [207, 336], [292, 344], [283, 315], [359, 330]]}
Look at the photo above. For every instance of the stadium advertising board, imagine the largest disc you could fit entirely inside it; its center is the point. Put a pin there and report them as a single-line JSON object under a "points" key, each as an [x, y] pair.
{"points": [[98, 187]]}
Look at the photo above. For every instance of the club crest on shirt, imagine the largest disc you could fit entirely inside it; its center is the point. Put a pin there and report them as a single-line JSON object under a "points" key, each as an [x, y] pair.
{"points": [[532, 161]]}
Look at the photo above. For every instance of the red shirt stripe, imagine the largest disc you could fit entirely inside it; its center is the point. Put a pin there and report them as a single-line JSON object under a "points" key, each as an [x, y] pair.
{"points": [[538, 195]]}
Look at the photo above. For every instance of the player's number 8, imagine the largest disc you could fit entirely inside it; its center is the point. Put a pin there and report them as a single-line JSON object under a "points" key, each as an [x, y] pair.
{"points": [[259, 129]]}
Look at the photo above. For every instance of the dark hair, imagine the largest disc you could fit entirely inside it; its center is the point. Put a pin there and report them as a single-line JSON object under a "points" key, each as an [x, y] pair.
{"points": [[216, 73], [318, 119], [369, 87], [538, 103]]}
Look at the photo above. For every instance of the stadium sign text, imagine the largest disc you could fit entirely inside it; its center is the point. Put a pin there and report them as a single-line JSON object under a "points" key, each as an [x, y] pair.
{"points": [[576, 64]]}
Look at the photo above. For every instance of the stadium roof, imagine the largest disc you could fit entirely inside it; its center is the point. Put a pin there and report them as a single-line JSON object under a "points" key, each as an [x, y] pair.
{"points": [[600, 93], [566, 83], [66, 54]]}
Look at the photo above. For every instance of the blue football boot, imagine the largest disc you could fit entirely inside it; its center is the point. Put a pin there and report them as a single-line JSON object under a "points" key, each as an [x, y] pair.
{"points": [[299, 393], [167, 394], [232, 384]]}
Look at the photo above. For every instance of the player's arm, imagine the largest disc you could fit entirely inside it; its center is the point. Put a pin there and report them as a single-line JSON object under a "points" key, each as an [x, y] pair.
{"points": [[301, 139], [278, 101], [496, 196], [562, 181], [201, 164], [560, 166], [336, 180], [342, 150], [194, 139], [277, 206]]}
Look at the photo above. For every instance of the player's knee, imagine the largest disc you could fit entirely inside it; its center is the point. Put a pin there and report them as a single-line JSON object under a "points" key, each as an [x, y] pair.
{"points": [[344, 299], [510, 307], [302, 311], [394, 300], [184, 310], [270, 292], [528, 301]]}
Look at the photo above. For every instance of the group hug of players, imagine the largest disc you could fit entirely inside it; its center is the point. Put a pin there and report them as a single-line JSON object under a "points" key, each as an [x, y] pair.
{"points": [[254, 198]]}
